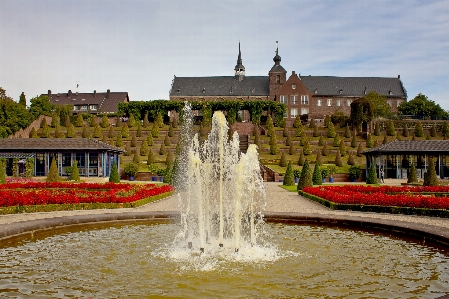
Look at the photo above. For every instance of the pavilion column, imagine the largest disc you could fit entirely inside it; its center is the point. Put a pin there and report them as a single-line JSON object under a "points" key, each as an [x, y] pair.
{"points": [[397, 167], [88, 164]]}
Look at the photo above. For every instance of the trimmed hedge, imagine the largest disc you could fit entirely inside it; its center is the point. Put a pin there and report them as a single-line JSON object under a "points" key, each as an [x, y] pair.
{"points": [[376, 208]]}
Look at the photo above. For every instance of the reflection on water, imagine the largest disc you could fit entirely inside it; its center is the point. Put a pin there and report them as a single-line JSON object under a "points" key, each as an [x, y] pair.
{"points": [[134, 261]]}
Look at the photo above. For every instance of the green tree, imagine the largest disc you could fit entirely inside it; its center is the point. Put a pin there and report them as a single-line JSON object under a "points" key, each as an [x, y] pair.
{"points": [[125, 131], [319, 158], [347, 132], [336, 140], [283, 161], [134, 140], [377, 129], [288, 140], [33, 133], [146, 123], [359, 150], [379, 104], [162, 149], [41, 105], [70, 131], [3, 170], [297, 122], [331, 130], [119, 140], [419, 131], [338, 160], [307, 149], [45, 131], [155, 130], [144, 148], [430, 176], [369, 141], [391, 131], [361, 112], [167, 141], [23, 100], [317, 179], [53, 175], [301, 158], [114, 177], [57, 132], [291, 149], [351, 159], [342, 148], [288, 177], [170, 131], [306, 177], [327, 121], [54, 120], [321, 141], [13, 116], [79, 120], [85, 133], [97, 131], [354, 141], [159, 120], [270, 125], [433, 131], [150, 139], [325, 150], [312, 124], [136, 157], [74, 172], [131, 121], [273, 144], [412, 176], [104, 122], [127, 149], [423, 107], [93, 121], [315, 132], [150, 158], [372, 177], [445, 130], [405, 131]]}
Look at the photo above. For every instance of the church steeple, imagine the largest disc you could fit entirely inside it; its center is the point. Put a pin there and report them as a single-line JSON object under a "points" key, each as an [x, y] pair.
{"points": [[239, 68], [277, 75]]}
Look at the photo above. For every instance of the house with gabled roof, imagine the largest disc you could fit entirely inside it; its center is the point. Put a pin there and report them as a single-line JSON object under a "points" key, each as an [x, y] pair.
{"points": [[95, 102], [310, 96]]}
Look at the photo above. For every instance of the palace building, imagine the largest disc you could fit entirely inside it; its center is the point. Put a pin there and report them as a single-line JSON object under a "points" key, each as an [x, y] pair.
{"points": [[309, 96]]}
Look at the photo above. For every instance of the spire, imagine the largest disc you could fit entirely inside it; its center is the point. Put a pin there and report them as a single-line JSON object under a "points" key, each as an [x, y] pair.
{"points": [[277, 58], [239, 68]]}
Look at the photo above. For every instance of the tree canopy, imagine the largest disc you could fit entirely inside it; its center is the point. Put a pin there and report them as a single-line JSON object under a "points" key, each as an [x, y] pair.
{"points": [[423, 107], [41, 105], [13, 116], [379, 104]]}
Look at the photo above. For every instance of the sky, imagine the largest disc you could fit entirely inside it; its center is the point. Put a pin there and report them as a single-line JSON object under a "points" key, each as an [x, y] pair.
{"points": [[139, 46]]}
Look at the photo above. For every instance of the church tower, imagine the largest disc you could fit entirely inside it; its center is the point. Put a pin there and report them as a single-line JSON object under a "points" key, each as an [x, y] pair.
{"points": [[239, 68], [277, 75]]}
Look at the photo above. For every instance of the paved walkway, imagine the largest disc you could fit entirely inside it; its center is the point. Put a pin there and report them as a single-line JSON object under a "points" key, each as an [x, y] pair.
{"points": [[278, 200]]}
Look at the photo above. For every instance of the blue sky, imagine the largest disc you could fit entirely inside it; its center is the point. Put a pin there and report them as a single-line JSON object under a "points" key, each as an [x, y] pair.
{"points": [[138, 46]]}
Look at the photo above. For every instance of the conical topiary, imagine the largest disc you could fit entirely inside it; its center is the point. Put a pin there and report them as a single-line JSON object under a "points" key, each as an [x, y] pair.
{"points": [[288, 140], [433, 131], [104, 122], [114, 177], [125, 131], [297, 122], [93, 122], [325, 150], [71, 131], [289, 179], [391, 131], [111, 132], [131, 121], [53, 175], [306, 177], [97, 132], [150, 139], [159, 120], [405, 131], [377, 129], [283, 161], [301, 159], [321, 140], [445, 129], [315, 132], [54, 120], [133, 140], [317, 179], [118, 122], [354, 141], [347, 132], [273, 144], [127, 149], [291, 149], [338, 160], [33, 133], [319, 158], [372, 177], [146, 123], [155, 130], [2, 171], [150, 158], [342, 148], [144, 148], [85, 133], [369, 141], [139, 130], [351, 159], [327, 121], [136, 156], [331, 130], [162, 149], [169, 158], [79, 121], [119, 140], [359, 150], [312, 124], [75, 173], [307, 148], [430, 176], [170, 131], [419, 131], [412, 176], [45, 131], [167, 141]]}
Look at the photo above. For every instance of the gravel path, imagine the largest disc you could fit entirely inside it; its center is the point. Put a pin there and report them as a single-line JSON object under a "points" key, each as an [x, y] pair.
{"points": [[278, 200]]}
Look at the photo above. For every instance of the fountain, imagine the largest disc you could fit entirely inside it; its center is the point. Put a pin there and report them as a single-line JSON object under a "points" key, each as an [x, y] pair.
{"points": [[221, 247], [221, 191]]}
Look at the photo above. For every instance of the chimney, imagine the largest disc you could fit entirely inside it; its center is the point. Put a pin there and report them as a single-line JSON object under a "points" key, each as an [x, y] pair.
{"points": [[95, 93], [108, 93], [399, 76], [69, 94], [293, 73], [49, 94]]}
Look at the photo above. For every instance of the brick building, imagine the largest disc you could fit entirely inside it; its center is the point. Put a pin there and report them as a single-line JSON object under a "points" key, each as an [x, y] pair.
{"points": [[95, 102], [311, 96]]}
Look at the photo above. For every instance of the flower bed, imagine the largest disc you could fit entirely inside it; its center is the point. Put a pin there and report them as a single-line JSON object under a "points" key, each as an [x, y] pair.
{"points": [[431, 201], [36, 196]]}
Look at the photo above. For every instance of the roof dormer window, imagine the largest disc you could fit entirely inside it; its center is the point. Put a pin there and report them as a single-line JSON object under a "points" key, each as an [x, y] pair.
{"points": [[204, 89], [390, 92], [293, 86]]}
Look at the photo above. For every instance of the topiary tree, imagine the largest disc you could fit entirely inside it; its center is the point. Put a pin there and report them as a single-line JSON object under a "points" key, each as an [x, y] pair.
{"points": [[337, 140], [131, 121], [307, 148], [297, 122], [118, 122], [433, 131], [150, 158], [369, 141], [79, 120], [299, 131], [104, 121], [119, 140], [111, 132], [74, 172], [325, 150], [85, 133], [306, 177], [104, 138], [301, 159], [54, 120], [155, 130], [146, 123], [150, 139], [405, 131], [139, 130], [169, 159], [347, 132], [385, 139], [288, 140], [285, 132], [283, 161], [97, 132], [377, 129], [327, 121], [445, 129], [167, 141], [124, 131], [2, 171], [419, 131], [315, 132], [53, 175], [144, 148], [93, 122], [159, 120], [33, 133], [372, 177], [45, 131], [430, 176], [321, 141], [291, 149], [170, 131], [342, 148], [127, 149], [412, 176], [133, 140], [331, 130], [162, 149], [317, 179], [289, 179], [312, 124], [359, 150], [43, 122], [273, 144], [351, 159], [136, 156], [391, 131], [319, 158], [114, 177], [338, 160], [354, 141], [270, 125], [71, 131]]}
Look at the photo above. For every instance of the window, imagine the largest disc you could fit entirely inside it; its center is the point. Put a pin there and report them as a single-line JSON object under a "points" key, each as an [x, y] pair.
{"points": [[76, 107], [293, 86], [278, 78], [329, 102], [293, 112], [284, 100], [66, 159], [93, 107], [304, 111], [304, 100], [84, 107], [294, 100], [81, 159], [318, 102], [348, 102], [338, 103]]}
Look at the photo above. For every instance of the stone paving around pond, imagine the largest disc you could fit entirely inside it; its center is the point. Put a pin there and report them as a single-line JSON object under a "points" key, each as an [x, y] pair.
{"points": [[278, 200]]}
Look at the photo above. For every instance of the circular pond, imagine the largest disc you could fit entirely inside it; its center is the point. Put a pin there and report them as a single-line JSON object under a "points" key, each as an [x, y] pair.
{"points": [[139, 260]]}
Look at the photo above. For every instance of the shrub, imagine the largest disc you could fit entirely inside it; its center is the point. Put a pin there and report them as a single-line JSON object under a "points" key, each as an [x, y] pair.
{"points": [[391, 131], [312, 124], [169, 158], [433, 131], [319, 158], [412, 176], [124, 131], [104, 122], [43, 122], [53, 175], [351, 159], [127, 149], [288, 177], [405, 131], [85, 133], [170, 131], [114, 176], [337, 140], [372, 177], [359, 150], [338, 160], [136, 157], [119, 140], [155, 130], [144, 148], [162, 149], [331, 131], [111, 132], [430, 176], [354, 141], [306, 177], [297, 122], [270, 125], [54, 120], [419, 131], [150, 159], [327, 121], [315, 132], [317, 179], [97, 131], [2, 171], [150, 139], [131, 121], [74, 172], [332, 169], [299, 131], [369, 141], [354, 172], [342, 148], [291, 149], [139, 130], [385, 139], [347, 132], [273, 144], [377, 129], [301, 159], [58, 133], [167, 141], [307, 148], [325, 150], [70, 131], [285, 132], [283, 161], [67, 121], [288, 140], [159, 121], [445, 129], [133, 140], [93, 122], [79, 121], [131, 169], [146, 123], [33, 133], [321, 141]]}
